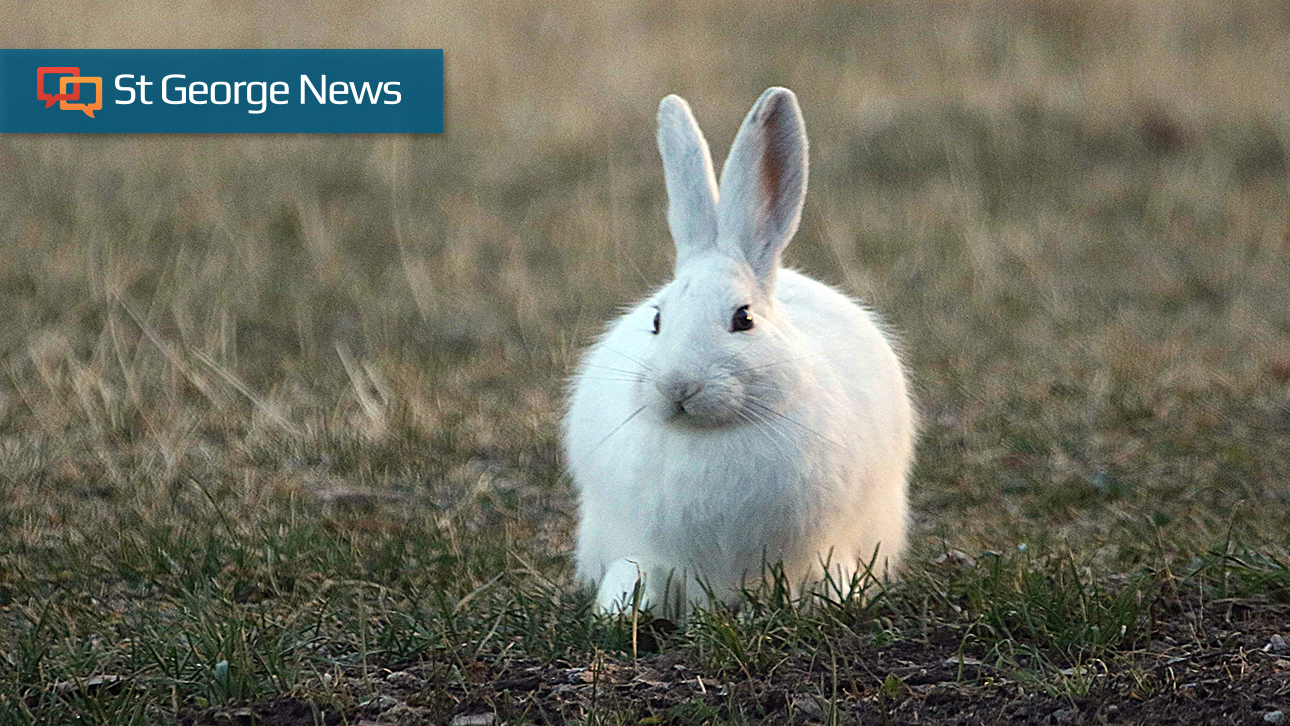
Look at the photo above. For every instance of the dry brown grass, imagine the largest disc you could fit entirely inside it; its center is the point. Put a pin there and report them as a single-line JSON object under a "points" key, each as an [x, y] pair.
{"points": [[1074, 212]]}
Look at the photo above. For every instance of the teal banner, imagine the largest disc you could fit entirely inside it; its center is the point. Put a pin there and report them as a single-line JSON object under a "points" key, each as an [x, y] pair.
{"points": [[221, 91]]}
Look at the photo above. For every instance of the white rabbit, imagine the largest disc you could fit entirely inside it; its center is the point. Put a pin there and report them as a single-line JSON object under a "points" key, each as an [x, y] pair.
{"points": [[743, 415]]}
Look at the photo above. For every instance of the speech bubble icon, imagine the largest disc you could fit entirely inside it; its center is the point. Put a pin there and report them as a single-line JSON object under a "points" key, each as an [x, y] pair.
{"points": [[88, 108], [50, 98]]}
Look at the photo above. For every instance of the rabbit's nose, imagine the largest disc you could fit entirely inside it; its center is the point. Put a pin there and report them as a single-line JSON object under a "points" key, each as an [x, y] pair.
{"points": [[678, 388]]}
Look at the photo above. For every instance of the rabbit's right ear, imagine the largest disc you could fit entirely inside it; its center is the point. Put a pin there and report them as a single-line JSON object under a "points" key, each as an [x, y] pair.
{"points": [[691, 184]]}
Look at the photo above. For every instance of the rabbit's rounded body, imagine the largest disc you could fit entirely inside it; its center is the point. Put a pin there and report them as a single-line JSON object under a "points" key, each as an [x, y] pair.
{"points": [[743, 416], [824, 480]]}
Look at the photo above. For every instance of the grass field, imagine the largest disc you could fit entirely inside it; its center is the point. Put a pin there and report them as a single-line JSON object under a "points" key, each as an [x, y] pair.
{"points": [[278, 415]]}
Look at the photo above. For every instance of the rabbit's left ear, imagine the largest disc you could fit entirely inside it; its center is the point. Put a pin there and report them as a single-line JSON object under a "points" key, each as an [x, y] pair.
{"points": [[763, 183]]}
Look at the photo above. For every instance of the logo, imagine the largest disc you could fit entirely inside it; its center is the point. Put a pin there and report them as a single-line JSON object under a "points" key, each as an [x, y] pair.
{"points": [[222, 91], [62, 97]]}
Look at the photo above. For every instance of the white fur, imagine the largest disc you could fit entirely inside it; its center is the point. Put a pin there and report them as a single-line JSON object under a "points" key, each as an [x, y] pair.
{"points": [[702, 452]]}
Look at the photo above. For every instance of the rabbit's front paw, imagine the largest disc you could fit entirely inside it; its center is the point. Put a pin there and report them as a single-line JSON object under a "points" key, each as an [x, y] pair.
{"points": [[633, 584], [623, 588]]}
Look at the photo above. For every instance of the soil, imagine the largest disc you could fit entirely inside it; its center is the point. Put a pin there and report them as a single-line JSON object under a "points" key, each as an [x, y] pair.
{"points": [[1223, 663]]}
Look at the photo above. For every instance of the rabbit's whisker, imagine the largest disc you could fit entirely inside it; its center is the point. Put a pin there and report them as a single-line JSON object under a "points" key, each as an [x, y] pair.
{"points": [[761, 428], [594, 449], [758, 405], [767, 427], [769, 365], [640, 363], [778, 428], [639, 375], [617, 428]]}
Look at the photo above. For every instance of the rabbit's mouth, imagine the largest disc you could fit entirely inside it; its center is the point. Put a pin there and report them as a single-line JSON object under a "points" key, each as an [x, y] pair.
{"points": [[689, 400], [690, 419], [702, 412], [692, 414]]}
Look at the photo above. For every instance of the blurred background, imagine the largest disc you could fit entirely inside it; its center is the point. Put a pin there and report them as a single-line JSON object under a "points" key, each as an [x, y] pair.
{"points": [[1074, 213]]}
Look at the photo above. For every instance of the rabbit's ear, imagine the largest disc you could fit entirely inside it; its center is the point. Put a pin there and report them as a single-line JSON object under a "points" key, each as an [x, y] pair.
{"points": [[763, 183], [691, 185]]}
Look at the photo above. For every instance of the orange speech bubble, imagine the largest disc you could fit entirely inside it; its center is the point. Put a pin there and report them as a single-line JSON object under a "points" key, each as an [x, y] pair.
{"points": [[88, 108], [49, 98]]}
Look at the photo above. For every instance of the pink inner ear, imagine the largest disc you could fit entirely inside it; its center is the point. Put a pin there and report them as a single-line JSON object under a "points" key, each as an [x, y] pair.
{"points": [[772, 158]]}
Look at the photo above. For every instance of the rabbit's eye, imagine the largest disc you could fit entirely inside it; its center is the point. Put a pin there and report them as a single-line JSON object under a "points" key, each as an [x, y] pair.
{"points": [[742, 320], [656, 318]]}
